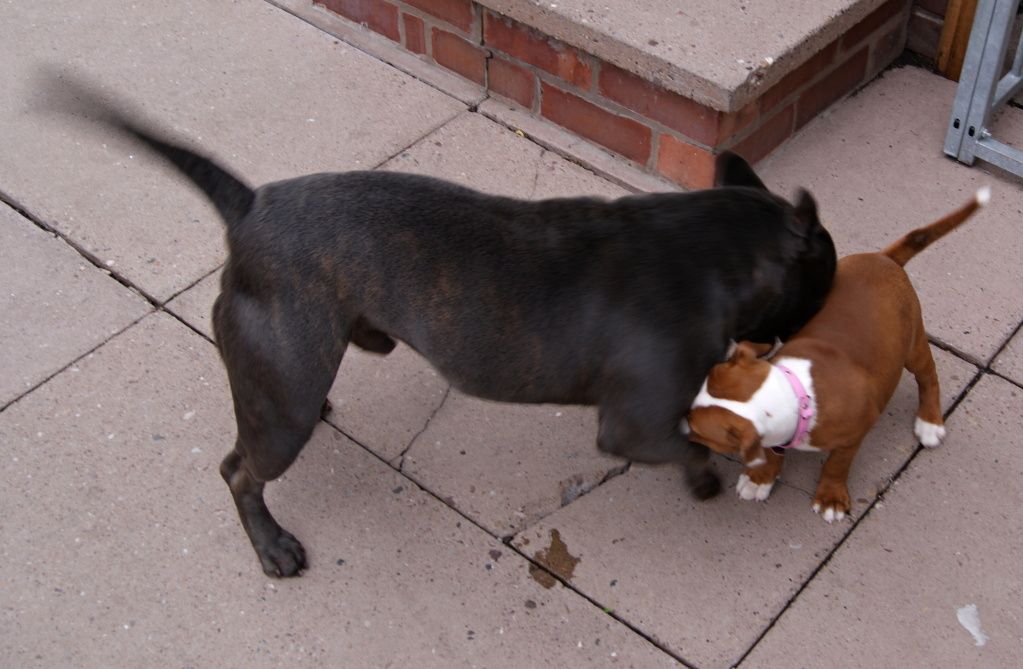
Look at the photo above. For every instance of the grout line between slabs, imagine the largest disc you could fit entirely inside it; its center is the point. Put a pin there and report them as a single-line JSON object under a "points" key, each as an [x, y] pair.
{"points": [[856, 523], [361, 49], [156, 306], [411, 144], [507, 543], [12, 202], [75, 361]]}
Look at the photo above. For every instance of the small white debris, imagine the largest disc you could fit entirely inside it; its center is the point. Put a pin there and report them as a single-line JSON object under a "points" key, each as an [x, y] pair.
{"points": [[579, 645], [110, 436], [189, 415], [197, 450], [184, 551], [969, 618], [795, 546], [109, 263], [557, 414]]}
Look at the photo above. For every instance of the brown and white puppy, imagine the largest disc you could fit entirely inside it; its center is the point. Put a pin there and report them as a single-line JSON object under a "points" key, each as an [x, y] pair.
{"points": [[847, 361]]}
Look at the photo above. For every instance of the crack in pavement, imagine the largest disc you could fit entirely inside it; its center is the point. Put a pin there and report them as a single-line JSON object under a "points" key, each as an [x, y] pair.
{"points": [[536, 173], [404, 452]]}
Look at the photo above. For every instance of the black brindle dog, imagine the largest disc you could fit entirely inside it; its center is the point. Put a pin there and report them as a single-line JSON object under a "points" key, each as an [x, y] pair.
{"points": [[622, 304]]}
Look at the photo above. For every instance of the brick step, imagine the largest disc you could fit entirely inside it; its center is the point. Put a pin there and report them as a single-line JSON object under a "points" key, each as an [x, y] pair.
{"points": [[664, 85]]}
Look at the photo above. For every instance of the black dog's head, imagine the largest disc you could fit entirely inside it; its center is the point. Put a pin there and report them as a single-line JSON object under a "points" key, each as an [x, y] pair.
{"points": [[808, 279]]}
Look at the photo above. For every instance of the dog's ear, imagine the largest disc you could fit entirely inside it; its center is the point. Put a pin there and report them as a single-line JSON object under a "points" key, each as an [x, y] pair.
{"points": [[722, 431], [750, 350], [745, 439], [730, 169], [805, 214]]}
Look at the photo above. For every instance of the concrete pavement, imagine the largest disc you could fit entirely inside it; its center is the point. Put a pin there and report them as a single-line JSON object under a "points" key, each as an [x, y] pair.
{"points": [[445, 531]]}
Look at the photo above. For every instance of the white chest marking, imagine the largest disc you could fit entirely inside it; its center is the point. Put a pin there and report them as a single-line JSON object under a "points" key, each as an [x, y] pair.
{"points": [[774, 408]]}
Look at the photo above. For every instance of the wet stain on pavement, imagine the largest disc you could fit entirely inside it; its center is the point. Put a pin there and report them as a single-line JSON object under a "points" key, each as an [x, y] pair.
{"points": [[557, 559]]}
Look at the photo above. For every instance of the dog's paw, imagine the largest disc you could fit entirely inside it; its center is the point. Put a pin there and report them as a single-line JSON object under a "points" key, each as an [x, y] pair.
{"points": [[748, 490], [282, 556], [831, 510], [929, 434], [705, 484]]}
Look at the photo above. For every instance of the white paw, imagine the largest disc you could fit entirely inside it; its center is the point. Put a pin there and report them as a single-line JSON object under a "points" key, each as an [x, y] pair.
{"points": [[929, 434], [748, 490], [831, 514]]}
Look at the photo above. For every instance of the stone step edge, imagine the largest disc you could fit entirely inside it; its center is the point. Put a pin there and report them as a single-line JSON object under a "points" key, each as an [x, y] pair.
{"points": [[658, 131]]}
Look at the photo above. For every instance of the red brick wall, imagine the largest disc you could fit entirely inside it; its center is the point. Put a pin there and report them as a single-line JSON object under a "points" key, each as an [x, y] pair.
{"points": [[657, 129]]}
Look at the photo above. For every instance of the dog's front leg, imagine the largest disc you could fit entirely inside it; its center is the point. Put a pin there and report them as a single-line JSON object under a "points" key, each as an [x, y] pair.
{"points": [[639, 436]]}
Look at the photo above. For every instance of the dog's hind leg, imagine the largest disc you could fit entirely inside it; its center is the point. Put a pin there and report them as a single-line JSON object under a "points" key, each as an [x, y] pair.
{"points": [[929, 427], [280, 366]]}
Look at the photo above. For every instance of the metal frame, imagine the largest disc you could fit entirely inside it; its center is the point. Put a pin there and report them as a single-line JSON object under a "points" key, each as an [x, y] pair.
{"points": [[982, 90]]}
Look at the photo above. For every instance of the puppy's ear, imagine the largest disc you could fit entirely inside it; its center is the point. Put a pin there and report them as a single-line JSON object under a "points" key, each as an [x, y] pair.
{"points": [[744, 438], [750, 350], [708, 426], [730, 169], [805, 219]]}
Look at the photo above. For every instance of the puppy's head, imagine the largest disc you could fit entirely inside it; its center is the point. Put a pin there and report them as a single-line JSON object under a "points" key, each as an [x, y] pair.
{"points": [[808, 251], [717, 418]]}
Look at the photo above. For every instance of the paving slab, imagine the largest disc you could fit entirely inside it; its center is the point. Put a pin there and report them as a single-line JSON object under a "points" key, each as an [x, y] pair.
{"points": [[710, 50], [268, 94], [474, 151], [1010, 361], [891, 443], [876, 177], [125, 548], [948, 536], [55, 305], [506, 466], [701, 578]]}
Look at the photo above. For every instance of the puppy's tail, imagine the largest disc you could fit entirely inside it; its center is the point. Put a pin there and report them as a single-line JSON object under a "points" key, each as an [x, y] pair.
{"points": [[64, 94], [903, 250]]}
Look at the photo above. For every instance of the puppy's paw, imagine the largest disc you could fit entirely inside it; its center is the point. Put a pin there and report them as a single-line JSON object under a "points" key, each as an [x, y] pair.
{"points": [[748, 490], [831, 508], [929, 434]]}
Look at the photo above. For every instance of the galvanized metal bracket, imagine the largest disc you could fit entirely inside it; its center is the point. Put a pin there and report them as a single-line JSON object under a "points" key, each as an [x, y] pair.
{"points": [[983, 88]]}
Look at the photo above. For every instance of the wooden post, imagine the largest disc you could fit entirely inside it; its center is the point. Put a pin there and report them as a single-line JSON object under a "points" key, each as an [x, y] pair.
{"points": [[955, 36]]}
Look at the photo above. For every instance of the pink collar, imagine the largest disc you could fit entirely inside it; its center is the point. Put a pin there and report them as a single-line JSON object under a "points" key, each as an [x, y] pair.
{"points": [[805, 411]]}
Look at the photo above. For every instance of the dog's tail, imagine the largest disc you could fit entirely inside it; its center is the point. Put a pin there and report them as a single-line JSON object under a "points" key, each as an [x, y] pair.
{"points": [[62, 93], [903, 250]]}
